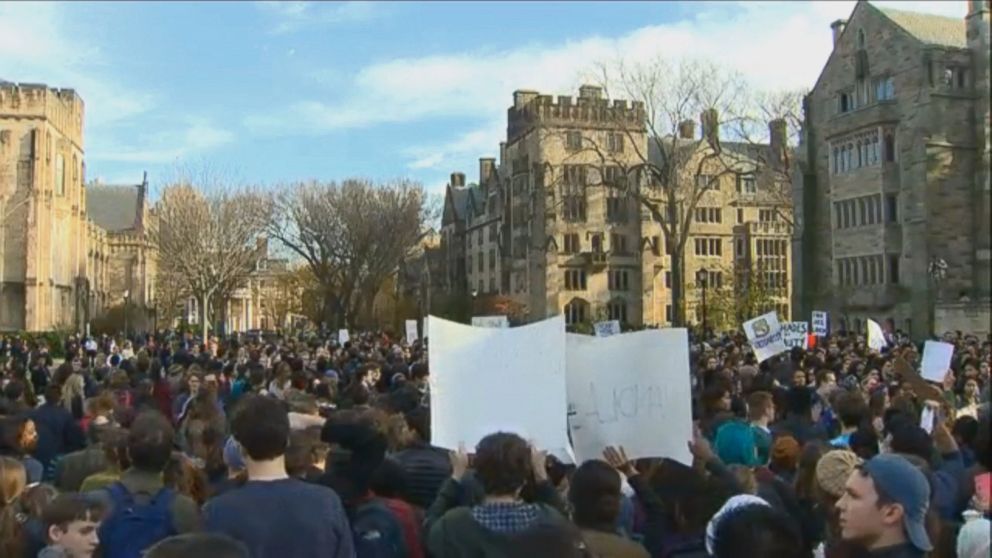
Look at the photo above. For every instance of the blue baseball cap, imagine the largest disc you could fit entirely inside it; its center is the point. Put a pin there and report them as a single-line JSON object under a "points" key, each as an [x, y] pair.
{"points": [[900, 480]]}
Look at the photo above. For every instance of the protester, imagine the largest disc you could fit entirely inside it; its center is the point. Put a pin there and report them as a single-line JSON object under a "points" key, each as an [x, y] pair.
{"points": [[71, 524]]}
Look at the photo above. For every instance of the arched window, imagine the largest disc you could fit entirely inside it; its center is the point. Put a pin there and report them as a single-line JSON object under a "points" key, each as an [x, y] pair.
{"points": [[576, 311], [861, 38], [861, 162], [597, 243], [617, 310], [836, 161], [862, 212], [850, 156]]}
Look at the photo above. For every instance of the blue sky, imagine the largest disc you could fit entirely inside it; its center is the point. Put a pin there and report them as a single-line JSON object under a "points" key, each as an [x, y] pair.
{"points": [[276, 92]]}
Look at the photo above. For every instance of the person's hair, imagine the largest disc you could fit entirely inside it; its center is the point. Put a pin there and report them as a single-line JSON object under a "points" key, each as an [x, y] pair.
{"points": [[13, 480], [203, 407], [711, 397], [864, 442], [502, 463], [261, 425], [358, 394], [149, 442], [851, 408], [115, 442], [11, 434], [805, 483], [14, 390], [983, 444], [66, 508], [419, 422], [910, 439], [745, 478], [762, 530], [595, 494], [300, 452], [181, 476], [821, 376], [198, 545], [758, 404], [799, 401], [419, 371]]}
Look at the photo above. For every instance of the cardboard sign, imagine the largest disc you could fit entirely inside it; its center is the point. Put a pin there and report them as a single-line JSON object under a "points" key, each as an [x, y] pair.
{"points": [[795, 334], [487, 380], [630, 390], [936, 360], [411, 331], [343, 336], [490, 321], [876, 337], [820, 324], [606, 329], [765, 335]]}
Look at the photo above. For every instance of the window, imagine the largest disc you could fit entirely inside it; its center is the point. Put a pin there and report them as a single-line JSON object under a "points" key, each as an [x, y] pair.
{"points": [[618, 280], [656, 245], [482, 262], [740, 248], [668, 313], [668, 279], [836, 160], [571, 243], [746, 184], [861, 38], [616, 209], [59, 175], [617, 310], [845, 102], [575, 279], [862, 212], [767, 215], [890, 148], [894, 269], [492, 259], [704, 181], [668, 246], [740, 215], [597, 244], [709, 215], [885, 89], [493, 233], [574, 193], [878, 208], [482, 286], [482, 235], [618, 243], [576, 311], [708, 246], [891, 208], [573, 140], [469, 235], [614, 142], [962, 77]]}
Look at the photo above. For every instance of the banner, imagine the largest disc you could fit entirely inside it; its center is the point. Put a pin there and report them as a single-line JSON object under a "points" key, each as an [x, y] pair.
{"points": [[606, 329], [820, 324], [630, 390], [486, 380], [876, 337], [936, 360], [490, 321], [411, 331], [795, 334], [765, 335], [343, 336]]}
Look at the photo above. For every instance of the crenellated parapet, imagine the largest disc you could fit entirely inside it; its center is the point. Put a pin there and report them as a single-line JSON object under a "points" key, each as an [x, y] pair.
{"points": [[64, 108], [589, 110]]}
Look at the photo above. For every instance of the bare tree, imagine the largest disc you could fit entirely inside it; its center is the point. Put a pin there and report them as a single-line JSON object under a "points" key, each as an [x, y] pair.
{"points": [[170, 293], [352, 235], [208, 232]]}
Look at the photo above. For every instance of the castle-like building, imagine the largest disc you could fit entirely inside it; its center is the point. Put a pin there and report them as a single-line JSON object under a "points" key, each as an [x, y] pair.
{"points": [[549, 226], [895, 197]]}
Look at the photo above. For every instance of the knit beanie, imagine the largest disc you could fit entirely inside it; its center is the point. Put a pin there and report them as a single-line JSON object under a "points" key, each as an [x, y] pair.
{"points": [[785, 452], [833, 470]]}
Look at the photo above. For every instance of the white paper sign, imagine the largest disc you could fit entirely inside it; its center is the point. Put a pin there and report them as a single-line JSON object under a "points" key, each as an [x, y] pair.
{"points": [[606, 329], [343, 336], [490, 321], [486, 380], [820, 327], [411, 331], [936, 360], [765, 335], [630, 390], [794, 334], [876, 337], [927, 419]]}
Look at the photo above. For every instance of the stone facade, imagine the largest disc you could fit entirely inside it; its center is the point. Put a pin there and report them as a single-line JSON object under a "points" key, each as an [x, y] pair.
{"points": [[556, 240], [896, 159]]}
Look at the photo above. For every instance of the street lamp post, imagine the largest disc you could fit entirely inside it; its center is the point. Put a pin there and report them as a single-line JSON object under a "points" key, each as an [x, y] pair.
{"points": [[702, 278]]}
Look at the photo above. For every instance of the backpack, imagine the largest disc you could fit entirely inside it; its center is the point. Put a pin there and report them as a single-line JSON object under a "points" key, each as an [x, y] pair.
{"points": [[131, 527], [376, 531]]}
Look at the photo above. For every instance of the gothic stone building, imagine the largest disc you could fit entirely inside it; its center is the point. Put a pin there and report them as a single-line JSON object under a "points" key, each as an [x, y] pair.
{"points": [[896, 179]]}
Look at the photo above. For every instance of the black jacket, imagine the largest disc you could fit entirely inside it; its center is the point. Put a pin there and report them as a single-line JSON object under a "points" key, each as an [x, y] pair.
{"points": [[58, 433]]}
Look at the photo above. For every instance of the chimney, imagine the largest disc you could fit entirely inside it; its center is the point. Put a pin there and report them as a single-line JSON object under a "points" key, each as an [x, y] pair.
{"points": [[457, 179], [687, 129], [837, 27], [590, 92], [487, 168], [710, 120], [778, 132]]}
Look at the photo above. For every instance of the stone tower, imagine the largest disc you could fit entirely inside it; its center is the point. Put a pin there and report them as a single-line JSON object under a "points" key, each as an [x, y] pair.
{"points": [[978, 43]]}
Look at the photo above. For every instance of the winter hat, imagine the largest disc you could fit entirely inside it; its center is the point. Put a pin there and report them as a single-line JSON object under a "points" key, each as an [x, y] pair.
{"points": [[833, 470], [735, 444], [739, 501], [232, 455], [785, 452]]}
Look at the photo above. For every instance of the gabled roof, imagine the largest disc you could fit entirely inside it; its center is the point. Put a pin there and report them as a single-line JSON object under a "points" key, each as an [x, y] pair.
{"points": [[115, 208], [930, 29]]}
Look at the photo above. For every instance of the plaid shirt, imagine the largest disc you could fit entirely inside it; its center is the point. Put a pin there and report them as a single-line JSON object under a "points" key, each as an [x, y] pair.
{"points": [[504, 517]]}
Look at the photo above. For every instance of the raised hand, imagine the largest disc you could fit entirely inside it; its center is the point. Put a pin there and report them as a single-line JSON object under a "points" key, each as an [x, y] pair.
{"points": [[617, 458], [459, 462], [539, 462]]}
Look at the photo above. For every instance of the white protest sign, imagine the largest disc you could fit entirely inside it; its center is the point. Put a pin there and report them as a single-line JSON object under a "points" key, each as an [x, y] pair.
{"points": [[343, 336], [630, 390], [936, 360], [486, 380], [794, 334], [876, 337], [927, 419], [606, 329], [820, 327], [490, 321], [411, 331], [765, 335]]}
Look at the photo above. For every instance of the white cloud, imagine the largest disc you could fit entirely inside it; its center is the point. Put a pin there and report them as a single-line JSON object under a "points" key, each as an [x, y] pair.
{"points": [[477, 142], [288, 17], [195, 139]]}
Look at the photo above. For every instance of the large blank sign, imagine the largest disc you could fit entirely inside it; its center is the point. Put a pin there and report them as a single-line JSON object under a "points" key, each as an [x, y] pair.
{"points": [[630, 390], [485, 380]]}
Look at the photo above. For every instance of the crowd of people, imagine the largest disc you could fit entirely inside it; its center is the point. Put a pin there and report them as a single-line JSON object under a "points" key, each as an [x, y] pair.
{"points": [[297, 446]]}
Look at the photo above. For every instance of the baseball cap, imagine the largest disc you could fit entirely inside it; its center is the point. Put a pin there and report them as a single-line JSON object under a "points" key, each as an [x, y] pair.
{"points": [[907, 486]]}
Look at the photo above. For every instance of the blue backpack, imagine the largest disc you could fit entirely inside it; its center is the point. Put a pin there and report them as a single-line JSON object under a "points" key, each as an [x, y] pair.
{"points": [[131, 527], [376, 531]]}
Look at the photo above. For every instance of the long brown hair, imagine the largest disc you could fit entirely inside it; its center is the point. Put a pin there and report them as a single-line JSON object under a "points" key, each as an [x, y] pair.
{"points": [[13, 480]]}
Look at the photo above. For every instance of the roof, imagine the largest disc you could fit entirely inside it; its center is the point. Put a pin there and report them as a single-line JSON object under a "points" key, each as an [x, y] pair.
{"points": [[930, 29], [115, 208]]}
